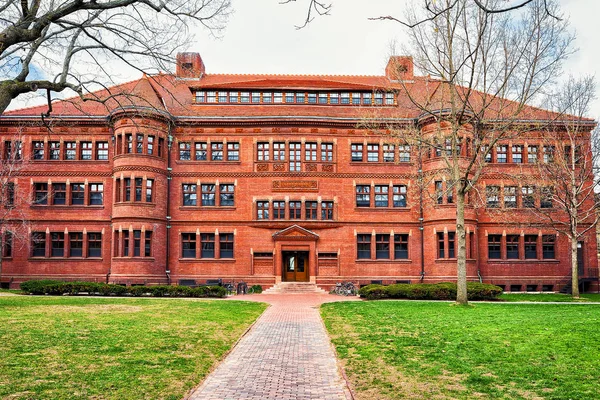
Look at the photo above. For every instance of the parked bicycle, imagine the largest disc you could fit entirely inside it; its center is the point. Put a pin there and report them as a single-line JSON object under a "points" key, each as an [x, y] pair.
{"points": [[345, 289]]}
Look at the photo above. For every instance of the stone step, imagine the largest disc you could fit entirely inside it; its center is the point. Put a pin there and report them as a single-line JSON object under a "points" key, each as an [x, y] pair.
{"points": [[295, 287]]}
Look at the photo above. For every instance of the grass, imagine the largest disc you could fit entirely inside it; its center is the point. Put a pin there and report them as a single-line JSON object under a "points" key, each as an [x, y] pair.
{"points": [[398, 349], [545, 297], [95, 348]]}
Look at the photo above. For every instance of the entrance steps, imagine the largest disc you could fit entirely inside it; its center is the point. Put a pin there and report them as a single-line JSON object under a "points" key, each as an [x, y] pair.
{"points": [[295, 288]]}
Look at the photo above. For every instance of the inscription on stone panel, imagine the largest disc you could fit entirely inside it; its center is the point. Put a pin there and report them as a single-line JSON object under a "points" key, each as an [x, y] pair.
{"points": [[295, 186]]}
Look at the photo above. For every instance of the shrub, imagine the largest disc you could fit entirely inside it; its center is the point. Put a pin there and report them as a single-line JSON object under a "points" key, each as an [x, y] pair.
{"points": [[422, 291], [256, 289], [373, 292], [37, 287], [483, 291]]}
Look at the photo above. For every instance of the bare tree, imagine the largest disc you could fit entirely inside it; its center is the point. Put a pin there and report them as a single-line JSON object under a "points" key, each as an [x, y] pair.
{"points": [[569, 202], [79, 45], [481, 71]]}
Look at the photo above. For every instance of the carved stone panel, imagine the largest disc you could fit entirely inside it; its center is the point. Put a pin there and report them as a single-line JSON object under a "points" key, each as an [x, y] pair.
{"points": [[295, 186], [262, 167]]}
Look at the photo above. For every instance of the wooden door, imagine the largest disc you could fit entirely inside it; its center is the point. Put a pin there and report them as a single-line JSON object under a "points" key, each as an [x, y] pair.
{"points": [[295, 266]]}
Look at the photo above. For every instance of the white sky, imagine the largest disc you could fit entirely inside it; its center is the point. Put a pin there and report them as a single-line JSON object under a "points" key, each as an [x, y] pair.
{"points": [[261, 38]]}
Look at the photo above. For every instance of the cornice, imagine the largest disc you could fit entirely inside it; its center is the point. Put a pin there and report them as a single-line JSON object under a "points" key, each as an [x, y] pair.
{"points": [[292, 175], [144, 168]]}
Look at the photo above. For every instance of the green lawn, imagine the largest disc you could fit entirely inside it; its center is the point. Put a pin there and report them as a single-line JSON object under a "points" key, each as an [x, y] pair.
{"points": [[545, 297], [423, 350], [95, 348]]}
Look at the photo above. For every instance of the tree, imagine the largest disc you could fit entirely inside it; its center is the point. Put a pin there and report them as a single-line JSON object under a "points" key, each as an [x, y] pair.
{"points": [[569, 201], [481, 71], [76, 43]]}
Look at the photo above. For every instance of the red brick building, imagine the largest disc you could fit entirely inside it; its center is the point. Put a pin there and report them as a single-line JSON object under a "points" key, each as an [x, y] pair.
{"points": [[261, 178]]}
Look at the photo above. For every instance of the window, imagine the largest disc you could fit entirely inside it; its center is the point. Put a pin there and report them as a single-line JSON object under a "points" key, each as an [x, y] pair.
{"points": [[226, 245], [211, 97], [363, 197], [381, 196], [382, 247], [207, 242], [510, 196], [267, 97], [441, 245], [59, 193], [138, 189], [38, 150], [327, 152], [334, 98], [528, 196], [279, 151], [367, 99], [201, 151], [13, 150], [185, 151], [327, 210], [226, 195], [137, 242], [512, 247], [77, 194], [401, 246], [517, 154], [233, 151], [548, 154], [295, 149], [76, 244], [363, 246], [148, 244], [548, 242], [345, 98], [399, 198], [208, 195], [189, 195], [357, 152], [256, 97], [492, 196], [356, 98], [300, 98], [96, 194], [494, 247], [279, 210], [263, 151], [102, 150], [289, 97], [9, 195], [200, 97], [71, 150], [389, 98], [312, 98], [388, 152], [94, 244], [58, 244], [8, 244], [501, 153], [149, 186], [532, 154], [451, 244], [278, 97], [295, 210], [310, 152], [310, 208], [378, 98], [40, 193], [188, 245], [127, 189], [531, 246], [245, 97], [38, 244], [450, 192], [233, 97], [262, 210], [126, 243], [404, 152], [439, 191], [373, 152], [216, 151], [487, 153], [546, 197], [322, 98], [222, 97], [54, 150], [150, 145]]}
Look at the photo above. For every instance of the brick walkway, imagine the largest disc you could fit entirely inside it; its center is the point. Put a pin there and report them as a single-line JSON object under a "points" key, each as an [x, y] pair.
{"points": [[287, 355]]}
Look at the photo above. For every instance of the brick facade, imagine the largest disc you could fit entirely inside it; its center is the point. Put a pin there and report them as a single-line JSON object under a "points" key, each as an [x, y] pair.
{"points": [[196, 187]]}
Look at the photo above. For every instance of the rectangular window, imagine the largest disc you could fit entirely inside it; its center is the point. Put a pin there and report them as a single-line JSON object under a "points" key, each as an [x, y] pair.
{"points": [[94, 244], [532, 154], [295, 210], [77, 193], [494, 247], [96, 194], [208, 195], [327, 210], [381, 196], [363, 244], [547, 194], [439, 191], [138, 189], [150, 145], [327, 152], [71, 150], [451, 245], [226, 196], [188, 245], [75, 244], [256, 97], [233, 97], [501, 153], [492, 194], [334, 98], [528, 196], [548, 242], [279, 210], [201, 151], [13, 150], [139, 144], [137, 243], [127, 189], [226, 245], [148, 244], [38, 244], [441, 245], [549, 154], [356, 98], [399, 196], [378, 98], [59, 194], [389, 152], [149, 186], [404, 153], [517, 154], [357, 152], [289, 97], [207, 242], [531, 246], [312, 98], [278, 97], [189, 195], [185, 151], [389, 99], [40, 193], [310, 208], [58, 244], [233, 151], [512, 247], [401, 246], [373, 153], [87, 150], [126, 243], [262, 210], [38, 150], [245, 97], [9, 194], [211, 97], [367, 99], [102, 150], [263, 151], [310, 151], [216, 151], [322, 98], [510, 196], [363, 196], [200, 96], [382, 247], [222, 97], [279, 151], [295, 158], [300, 97], [54, 150], [345, 98]]}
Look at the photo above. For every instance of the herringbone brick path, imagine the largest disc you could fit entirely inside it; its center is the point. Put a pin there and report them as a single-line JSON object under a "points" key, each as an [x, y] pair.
{"points": [[286, 355]]}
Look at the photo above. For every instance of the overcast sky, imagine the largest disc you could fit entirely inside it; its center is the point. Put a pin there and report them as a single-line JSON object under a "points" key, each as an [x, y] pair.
{"points": [[261, 38]]}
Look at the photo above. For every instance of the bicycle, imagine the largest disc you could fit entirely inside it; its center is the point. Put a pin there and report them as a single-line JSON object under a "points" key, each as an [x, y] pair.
{"points": [[345, 289]]}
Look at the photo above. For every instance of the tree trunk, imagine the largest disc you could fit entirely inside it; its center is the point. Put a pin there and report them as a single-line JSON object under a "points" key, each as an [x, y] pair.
{"points": [[574, 268], [461, 261]]}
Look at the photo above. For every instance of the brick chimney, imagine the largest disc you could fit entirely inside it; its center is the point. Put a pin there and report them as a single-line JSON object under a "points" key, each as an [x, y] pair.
{"points": [[190, 65], [400, 68]]}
